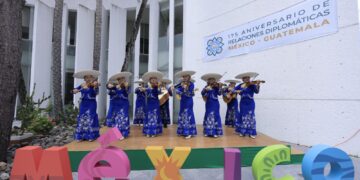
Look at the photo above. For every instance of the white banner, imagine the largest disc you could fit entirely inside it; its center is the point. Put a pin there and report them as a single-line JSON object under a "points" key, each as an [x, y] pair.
{"points": [[303, 21]]}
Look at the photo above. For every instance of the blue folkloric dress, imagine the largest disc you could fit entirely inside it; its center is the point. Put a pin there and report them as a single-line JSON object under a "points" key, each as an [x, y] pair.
{"points": [[164, 110], [186, 120], [87, 127], [110, 122], [120, 111], [232, 112], [152, 123], [139, 107], [246, 124], [212, 119]]}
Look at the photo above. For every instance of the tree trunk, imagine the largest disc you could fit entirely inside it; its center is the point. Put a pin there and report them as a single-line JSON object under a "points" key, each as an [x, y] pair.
{"points": [[56, 61], [134, 33], [10, 65], [97, 35]]}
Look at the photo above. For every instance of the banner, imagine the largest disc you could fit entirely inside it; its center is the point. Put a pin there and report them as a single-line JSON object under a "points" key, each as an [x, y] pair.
{"points": [[306, 20]]}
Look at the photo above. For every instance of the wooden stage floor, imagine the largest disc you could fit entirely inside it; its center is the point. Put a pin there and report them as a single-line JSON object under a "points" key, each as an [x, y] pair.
{"points": [[169, 139]]}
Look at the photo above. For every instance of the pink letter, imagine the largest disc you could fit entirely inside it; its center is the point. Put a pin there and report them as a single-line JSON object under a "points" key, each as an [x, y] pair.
{"points": [[117, 162], [232, 164], [111, 135]]}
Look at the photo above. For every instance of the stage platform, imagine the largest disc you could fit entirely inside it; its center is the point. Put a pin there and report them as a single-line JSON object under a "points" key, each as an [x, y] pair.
{"points": [[206, 152]]}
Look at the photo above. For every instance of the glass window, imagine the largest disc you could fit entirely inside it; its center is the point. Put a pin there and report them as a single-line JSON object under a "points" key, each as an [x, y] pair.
{"points": [[26, 17], [163, 43], [70, 57], [26, 45]]}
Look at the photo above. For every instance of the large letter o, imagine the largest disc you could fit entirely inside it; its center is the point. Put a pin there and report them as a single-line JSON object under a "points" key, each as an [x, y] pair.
{"points": [[319, 156]]}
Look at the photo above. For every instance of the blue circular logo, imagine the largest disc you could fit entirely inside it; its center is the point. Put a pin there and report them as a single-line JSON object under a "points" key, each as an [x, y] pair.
{"points": [[214, 46]]}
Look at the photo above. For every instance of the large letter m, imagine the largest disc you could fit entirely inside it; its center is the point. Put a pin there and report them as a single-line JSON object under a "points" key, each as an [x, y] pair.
{"points": [[34, 163]]}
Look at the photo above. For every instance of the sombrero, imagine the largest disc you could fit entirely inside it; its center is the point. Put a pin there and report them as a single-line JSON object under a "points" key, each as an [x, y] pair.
{"points": [[83, 73], [116, 76], [139, 81], [232, 81], [112, 82], [153, 74], [166, 81], [183, 73], [207, 76], [247, 74]]}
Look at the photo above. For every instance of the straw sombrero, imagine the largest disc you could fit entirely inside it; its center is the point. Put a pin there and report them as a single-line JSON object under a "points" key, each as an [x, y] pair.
{"points": [[183, 73], [247, 74], [207, 76], [139, 81], [153, 74], [166, 81], [83, 73], [112, 82], [116, 76], [232, 81]]}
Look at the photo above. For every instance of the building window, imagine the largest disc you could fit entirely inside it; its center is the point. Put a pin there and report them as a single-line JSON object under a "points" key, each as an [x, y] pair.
{"points": [[144, 39], [70, 57], [69, 84], [26, 22], [26, 45]]}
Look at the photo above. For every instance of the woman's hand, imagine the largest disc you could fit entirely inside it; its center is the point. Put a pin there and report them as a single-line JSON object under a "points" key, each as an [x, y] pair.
{"points": [[75, 91], [208, 88], [142, 89]]}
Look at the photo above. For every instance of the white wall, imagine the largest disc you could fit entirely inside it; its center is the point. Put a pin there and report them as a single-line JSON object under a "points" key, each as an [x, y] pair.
{"points": [[84, 43], [311, 91], [42, 51]]}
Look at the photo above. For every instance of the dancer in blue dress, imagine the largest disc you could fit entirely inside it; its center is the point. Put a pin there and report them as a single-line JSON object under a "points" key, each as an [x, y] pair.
{"points": [[246, 124], [111, 87], [210, 93], [152, 124], [139, 116], [164, 102], [87, 127], [230, 97], [185, 91], [119, 116]]}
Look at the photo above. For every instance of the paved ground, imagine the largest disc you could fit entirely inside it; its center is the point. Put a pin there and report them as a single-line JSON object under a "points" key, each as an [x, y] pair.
{"points": [[217, 174], [214, 174]]}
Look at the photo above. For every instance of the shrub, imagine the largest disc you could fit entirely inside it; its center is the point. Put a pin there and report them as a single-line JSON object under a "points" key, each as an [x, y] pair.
{"points": [[41, 125], [31, 110], [69, 115]]}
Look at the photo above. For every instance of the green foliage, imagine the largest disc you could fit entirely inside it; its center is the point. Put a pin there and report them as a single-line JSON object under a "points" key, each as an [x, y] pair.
{"points": [[49, 109], [69, 115], [16, 131], [31, 110], [27, 113], [41, 125]]}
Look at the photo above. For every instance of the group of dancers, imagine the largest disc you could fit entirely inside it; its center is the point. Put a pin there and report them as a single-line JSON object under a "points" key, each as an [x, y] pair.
{"points": [[152, 104]]}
